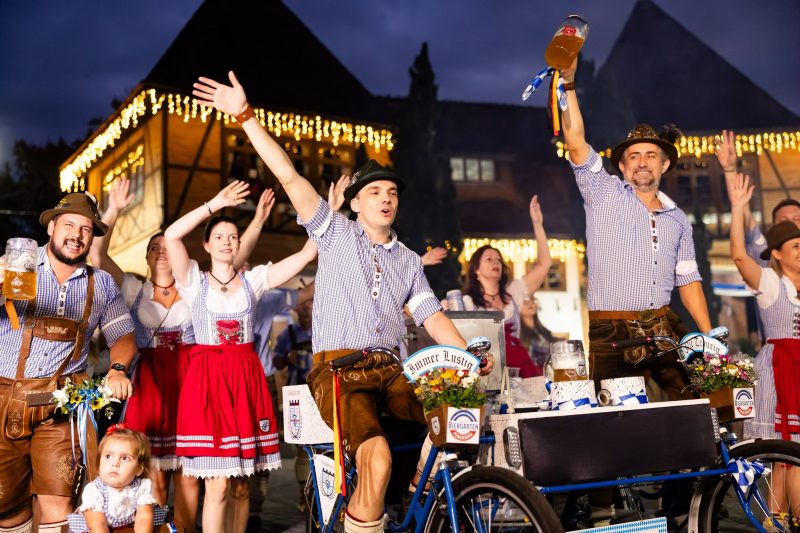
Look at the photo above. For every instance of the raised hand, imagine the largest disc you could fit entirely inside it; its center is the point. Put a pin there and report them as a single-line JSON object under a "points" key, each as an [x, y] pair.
{"points": [[726, 150], [336, 192], [569, 73], [740, 190], [265, 204], [536, 210], [229, 99], [234, 194], [434, 256], [118, 197]]}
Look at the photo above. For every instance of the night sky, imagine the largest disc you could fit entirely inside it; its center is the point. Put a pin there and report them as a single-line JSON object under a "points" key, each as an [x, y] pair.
{"points": [[63, 62]]}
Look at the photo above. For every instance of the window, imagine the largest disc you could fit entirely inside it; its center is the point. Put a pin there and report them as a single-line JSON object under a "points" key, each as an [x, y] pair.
{"points": [[471, 170], [697, 185], [130, 166], [320, 163]]}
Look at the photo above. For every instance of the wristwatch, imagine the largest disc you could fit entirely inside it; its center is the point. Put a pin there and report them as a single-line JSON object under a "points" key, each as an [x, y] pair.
{"points": [[120, 367]]}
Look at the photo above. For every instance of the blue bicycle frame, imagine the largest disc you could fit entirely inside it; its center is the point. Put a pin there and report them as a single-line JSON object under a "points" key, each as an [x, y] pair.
{"points": [[418, 510]]}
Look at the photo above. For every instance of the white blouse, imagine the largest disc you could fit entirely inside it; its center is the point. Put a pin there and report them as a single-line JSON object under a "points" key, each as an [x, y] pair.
{"points": [[152, 314], [515, 289], [229, 302], [121, 502]]}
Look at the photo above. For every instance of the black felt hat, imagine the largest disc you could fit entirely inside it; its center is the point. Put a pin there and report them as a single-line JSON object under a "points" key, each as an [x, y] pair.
{"points": [[369, 172], [644, 133], [779, 234]]}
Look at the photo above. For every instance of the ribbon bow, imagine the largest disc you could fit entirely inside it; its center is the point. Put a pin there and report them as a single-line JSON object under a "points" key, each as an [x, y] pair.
{"points": [[745, 472], [115, 427], [558, 94]]}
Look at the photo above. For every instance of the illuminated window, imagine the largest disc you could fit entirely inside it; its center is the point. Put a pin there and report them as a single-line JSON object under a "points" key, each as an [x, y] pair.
{"points": [[472, 170], [129, 166]]}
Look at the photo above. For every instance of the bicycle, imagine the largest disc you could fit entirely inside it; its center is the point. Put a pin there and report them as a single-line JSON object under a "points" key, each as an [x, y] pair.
{"points": [[462, 497], [715, 485]]}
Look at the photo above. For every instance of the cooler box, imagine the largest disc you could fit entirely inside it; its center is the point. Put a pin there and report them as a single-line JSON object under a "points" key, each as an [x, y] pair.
{"points": [[559, 447]]}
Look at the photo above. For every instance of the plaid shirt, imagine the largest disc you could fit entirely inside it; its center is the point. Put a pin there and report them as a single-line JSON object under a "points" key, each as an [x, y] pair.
{"points": [[635, 257], [108, 311], [345, 315]]}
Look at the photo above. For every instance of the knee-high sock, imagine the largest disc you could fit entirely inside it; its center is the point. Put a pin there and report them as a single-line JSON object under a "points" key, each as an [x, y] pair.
{"points": [[26, 527], [54, 527], [423, 456], [354, 525]]}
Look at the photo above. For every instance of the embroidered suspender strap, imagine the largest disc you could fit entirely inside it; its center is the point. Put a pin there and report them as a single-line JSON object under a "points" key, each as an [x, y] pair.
{"points": [[87, 311], [30, 325]]}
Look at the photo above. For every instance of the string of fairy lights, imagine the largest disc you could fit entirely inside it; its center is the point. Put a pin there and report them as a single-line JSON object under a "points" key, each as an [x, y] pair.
{"points": [[524, 250], [150, 102], [703, 145]]}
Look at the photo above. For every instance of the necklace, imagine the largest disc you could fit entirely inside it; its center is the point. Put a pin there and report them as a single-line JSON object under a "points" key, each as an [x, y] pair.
{"points": [[164, 288], [224, 287], [493, 296]]}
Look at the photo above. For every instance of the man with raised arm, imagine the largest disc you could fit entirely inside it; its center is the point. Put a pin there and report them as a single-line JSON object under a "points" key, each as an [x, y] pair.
{"points": [[364, 278], [639, 246], [37, 444]]}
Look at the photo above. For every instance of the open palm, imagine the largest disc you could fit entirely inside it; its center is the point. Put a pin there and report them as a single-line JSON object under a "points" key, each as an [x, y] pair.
{"points": [[229, 99]]}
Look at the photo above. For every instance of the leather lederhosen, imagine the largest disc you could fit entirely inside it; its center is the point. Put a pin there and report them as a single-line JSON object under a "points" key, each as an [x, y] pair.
{"points": [[29, 401]]}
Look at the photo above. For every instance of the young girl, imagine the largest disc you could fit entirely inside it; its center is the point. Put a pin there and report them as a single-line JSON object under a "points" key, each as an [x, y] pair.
{"points": [[122, 495]]}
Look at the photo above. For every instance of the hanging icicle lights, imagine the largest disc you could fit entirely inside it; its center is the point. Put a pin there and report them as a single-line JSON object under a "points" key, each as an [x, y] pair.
{"points": [[699, 146], [525, 249], [152, 101]]}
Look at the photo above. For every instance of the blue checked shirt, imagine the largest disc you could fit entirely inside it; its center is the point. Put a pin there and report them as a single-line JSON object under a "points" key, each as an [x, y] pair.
{"points": [[635, 257], [108, 311], [345, 315]]}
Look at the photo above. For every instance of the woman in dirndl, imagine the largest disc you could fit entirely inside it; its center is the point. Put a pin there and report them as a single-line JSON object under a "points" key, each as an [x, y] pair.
{"points": [[226, 425], [777, 394]]}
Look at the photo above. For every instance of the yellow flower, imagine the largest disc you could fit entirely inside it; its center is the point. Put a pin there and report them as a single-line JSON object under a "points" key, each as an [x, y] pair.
{"points": [[434, 382], [449, 374]]}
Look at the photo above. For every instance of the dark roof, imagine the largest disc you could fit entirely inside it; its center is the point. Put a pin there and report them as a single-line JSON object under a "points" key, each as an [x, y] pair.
{"points": [[671, 76], [277, 59], [521, 138]]}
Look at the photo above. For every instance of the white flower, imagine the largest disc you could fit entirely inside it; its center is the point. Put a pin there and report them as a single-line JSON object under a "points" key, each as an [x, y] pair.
{"points": [[468, 380], [60, 397], [714, 362], [733, 371]]}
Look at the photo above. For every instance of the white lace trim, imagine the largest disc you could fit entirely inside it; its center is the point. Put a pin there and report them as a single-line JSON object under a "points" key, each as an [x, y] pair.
{"points": [[166, 463], [271, 464]]}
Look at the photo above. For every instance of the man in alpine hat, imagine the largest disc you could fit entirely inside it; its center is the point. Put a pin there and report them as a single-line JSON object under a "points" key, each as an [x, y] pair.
{"points": [[38, 455], [639, 246]]}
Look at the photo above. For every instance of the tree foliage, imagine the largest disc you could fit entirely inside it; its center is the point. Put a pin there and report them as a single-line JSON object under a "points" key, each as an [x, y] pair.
{"points": [[30, 186]]}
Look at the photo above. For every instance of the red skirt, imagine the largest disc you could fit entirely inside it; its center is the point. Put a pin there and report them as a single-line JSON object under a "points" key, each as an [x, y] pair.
{"points": [[153, 408], [225, 409]]}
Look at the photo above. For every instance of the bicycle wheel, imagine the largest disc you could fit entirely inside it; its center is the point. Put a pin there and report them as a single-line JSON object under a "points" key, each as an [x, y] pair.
{"points": [[718, 508], [490, 498]]}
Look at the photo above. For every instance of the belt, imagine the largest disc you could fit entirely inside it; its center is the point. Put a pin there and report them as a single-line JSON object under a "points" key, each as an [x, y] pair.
{"points": [[640, 316], [326, 356]]}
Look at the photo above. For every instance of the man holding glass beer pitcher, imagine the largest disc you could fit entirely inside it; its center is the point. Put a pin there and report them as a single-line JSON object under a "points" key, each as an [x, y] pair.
{"points": [[52, 302]]}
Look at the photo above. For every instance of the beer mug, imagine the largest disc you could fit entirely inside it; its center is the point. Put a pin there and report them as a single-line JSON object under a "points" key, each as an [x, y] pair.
{"points": [[567, 362], [567, 42], [19, 282]]}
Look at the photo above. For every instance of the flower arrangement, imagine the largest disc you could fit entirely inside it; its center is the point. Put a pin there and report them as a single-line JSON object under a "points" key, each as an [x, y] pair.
{"points": [[711, 373], [92, 393], [459, 388]]}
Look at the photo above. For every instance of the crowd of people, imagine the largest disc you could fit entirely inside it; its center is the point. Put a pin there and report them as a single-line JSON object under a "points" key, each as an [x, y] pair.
{"points": [[190, 350]]}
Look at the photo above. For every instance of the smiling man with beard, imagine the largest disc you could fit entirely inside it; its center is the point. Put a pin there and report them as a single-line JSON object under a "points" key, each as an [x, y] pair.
{"points": [[639, 246], [72, 299]]}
